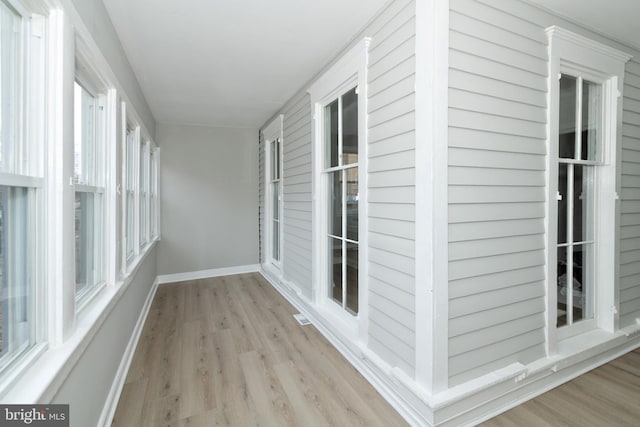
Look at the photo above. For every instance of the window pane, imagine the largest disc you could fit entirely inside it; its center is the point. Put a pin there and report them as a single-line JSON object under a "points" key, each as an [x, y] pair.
{"points": [[277, 160], [10, 35], [583, 203], [352, 277], [562, 286], [583, 284], [562, 203], [567, 120], [272, 159], [350, 127], [335, 205], [15, 271], [591, 119], [352, 203], [331, 134], [276, 240], [335, 269], [85, 149], [88, 227], [276, 205]]}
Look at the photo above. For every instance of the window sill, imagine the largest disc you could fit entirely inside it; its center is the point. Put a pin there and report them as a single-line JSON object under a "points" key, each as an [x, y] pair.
{"points": [[40, 379]]}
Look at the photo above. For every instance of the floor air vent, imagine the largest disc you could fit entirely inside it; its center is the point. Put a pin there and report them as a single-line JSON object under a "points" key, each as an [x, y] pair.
{"points": [[302, 319]]}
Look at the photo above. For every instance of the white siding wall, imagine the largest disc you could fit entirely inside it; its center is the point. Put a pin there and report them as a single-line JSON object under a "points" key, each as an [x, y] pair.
{"points": [[296, 245], [391, 189], [497, 155], [392, 185], [497, 159], [630, 199]]}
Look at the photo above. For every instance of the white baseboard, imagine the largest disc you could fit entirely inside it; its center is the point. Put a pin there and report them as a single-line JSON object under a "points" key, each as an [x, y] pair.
{"points": [[109, 409], [206, 274]]}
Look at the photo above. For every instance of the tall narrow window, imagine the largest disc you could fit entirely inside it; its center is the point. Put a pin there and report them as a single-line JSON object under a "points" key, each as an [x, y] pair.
{"points": [[144, 193], [341, 171], [153, 194], [586, 79], [130, 191], [579, 156], [20, 182], [275, 184], [89, 190]]}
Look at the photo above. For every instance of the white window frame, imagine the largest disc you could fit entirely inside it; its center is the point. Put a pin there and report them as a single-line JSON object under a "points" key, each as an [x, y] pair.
{"points": [[573, 54], [273, 134], [154, 199], [28, 172], [144, 176], [348, 72], [91, 80], [130, 186]]}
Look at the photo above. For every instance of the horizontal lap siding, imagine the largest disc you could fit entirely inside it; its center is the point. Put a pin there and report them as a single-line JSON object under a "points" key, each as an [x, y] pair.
{"points": [[391, 185], [497, 193], [296, 247], [630, 199]]}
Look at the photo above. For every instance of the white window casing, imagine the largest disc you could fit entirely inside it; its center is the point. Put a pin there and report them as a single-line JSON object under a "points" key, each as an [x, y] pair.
{"points": [[600, 66], [273, 179], [347, 73]]}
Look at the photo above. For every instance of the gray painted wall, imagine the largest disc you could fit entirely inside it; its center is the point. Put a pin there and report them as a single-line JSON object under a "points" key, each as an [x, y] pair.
{"points": [[209, 190], [87, 385], [95, 17]]}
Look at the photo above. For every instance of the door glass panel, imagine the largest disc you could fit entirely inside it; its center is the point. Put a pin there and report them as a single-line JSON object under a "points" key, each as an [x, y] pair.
{"points": [[591, 119], [352, 277], [352, 203], [350, 127], [331, 134], [567, 122], [562, 290], [562, 203], [335, 269], [583, 203], [335, 206]]}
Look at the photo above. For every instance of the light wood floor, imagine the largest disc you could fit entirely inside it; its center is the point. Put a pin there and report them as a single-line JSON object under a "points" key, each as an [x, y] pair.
{"points": [[606, 396], [227, 351]]}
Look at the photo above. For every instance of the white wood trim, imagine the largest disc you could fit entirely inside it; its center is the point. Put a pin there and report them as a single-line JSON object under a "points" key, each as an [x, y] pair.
{"points": [[206, 274], [109, 409], [273, 131], [577, 54], [431, 275], [348, 71]]}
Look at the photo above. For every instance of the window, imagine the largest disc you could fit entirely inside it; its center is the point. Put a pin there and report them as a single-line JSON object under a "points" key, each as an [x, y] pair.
{"points": [[586, 78], [275, 150], [21, 148], [130, 191], [339, 207], [341, 171], [144, 193], [272, 134], [153, 193], [89, 160], [581, 106]]}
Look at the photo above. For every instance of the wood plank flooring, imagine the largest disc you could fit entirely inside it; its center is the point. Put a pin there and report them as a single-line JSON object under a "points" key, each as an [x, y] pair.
{"points": [[227, 351], [607, 396]]}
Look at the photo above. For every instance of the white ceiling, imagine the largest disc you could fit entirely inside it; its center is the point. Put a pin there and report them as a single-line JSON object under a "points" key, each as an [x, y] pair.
{"points": [[617, 19], [231, 62]]}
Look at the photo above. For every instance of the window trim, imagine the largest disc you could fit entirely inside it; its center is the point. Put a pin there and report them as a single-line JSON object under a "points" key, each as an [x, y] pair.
{"points": [[347, 72], [574, 54], [273, 132]]}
